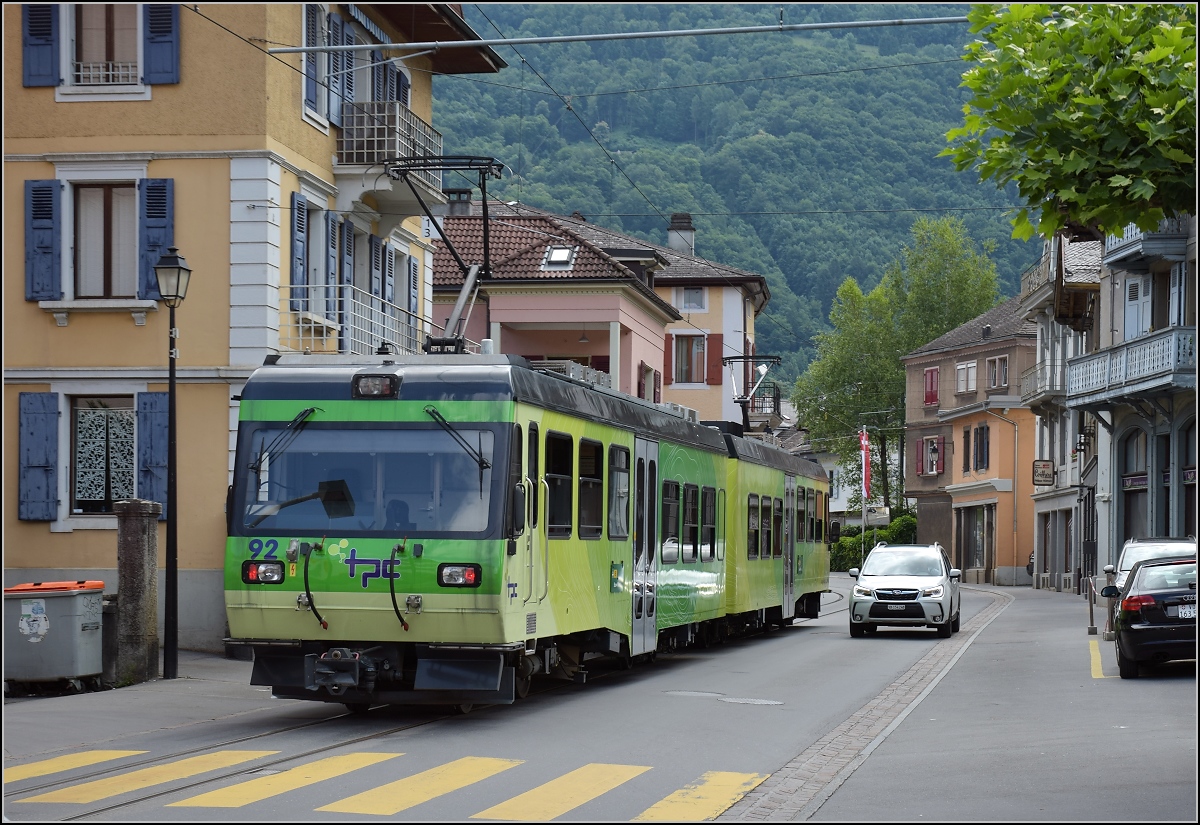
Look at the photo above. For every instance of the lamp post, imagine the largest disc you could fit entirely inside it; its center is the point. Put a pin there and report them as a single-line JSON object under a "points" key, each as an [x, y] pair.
{"points": [[172, 274]]}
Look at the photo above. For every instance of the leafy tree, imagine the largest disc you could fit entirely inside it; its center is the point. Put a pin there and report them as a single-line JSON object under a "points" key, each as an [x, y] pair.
{"points": [[939, 282], [1089, 109]]}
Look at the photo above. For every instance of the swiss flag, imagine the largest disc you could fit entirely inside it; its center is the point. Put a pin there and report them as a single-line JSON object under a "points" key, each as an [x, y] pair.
{"points": [[864, 443]]}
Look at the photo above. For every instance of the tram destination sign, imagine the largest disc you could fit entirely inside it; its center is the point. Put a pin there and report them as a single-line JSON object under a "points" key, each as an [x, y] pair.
{"points": [[1043, 472]]}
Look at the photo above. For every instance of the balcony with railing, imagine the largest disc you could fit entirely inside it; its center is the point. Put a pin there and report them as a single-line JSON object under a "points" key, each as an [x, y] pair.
{"points": [[1036, 276], [343, 319], [1044, 384], [1135, 249], [1152, 365], [373, 132]]}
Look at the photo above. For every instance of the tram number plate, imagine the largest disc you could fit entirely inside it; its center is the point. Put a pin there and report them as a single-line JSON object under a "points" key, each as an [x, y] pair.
{"points": [[1187, 611], [896, 606]]}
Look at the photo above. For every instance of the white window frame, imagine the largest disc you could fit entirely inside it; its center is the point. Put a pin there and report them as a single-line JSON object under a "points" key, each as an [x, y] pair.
{"points": [[67, 391], [67, 91], [928, 462], [703, 357], [681, 296], [995, 366], [964, 376]]}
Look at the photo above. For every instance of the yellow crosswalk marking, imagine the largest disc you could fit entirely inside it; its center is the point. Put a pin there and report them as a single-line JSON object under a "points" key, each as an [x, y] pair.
{"points": [[564, 794], [402, 794], [709, 797], [63, 763], [264, 787], [148, 777]]}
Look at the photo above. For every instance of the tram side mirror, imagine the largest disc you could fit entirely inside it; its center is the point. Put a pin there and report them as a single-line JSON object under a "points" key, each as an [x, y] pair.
{"points": [[518, 509], [835, 531], [335, 498]]}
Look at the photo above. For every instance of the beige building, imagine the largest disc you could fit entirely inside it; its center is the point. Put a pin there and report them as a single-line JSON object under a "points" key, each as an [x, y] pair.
{"points": [[133, 128], [971, 444]]}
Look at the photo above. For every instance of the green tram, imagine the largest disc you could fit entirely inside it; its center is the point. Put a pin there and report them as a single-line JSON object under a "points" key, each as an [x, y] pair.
{"points": [[439, 529]]}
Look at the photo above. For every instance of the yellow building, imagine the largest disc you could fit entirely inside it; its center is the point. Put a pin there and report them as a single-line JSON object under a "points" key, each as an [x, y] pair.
{"points": [[130, 129]]}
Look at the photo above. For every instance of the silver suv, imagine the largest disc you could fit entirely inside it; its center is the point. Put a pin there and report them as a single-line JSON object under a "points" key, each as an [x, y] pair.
{"points": [[1136, 550], [905, 585]]}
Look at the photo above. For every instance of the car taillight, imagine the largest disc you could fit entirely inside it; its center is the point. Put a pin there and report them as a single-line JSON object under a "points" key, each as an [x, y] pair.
{"points": [[1134, 604]]}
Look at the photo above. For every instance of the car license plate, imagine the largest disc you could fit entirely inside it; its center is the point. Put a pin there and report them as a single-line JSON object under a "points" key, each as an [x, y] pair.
{"points": [[895, 607], [1187, 611]]}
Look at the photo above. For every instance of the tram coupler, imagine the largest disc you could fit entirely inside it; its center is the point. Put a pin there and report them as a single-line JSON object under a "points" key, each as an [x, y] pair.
{"points": [[337, 670]]}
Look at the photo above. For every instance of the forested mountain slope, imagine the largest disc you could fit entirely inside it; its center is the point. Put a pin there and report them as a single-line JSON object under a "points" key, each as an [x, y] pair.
{"points": [[803, 156]]}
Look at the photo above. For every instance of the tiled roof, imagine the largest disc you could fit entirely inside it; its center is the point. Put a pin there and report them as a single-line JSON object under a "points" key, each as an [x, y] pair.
{"points": [[516, 249], [1004, 319]]}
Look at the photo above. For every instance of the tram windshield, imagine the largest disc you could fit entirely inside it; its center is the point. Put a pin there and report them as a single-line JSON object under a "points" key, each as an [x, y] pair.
{"points": [[346, 480]]}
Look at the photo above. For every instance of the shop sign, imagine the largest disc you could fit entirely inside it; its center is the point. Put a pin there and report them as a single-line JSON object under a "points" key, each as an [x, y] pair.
{"points": [[1043, 472]]}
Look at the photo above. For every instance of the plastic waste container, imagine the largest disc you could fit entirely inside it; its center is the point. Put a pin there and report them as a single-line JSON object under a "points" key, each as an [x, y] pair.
{"points": [[53, 632]]}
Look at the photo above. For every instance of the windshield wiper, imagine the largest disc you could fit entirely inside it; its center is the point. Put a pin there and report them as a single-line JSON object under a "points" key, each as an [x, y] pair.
{"points": [[290, 432], [474, 453]]}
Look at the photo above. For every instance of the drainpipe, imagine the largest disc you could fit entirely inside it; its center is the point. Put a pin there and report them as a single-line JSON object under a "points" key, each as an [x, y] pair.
{"points": [[1016, 439]]}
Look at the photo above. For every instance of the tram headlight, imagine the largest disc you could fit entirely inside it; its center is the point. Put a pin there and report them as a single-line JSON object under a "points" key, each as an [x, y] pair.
{"points": [[262, 572], [460, 575]]}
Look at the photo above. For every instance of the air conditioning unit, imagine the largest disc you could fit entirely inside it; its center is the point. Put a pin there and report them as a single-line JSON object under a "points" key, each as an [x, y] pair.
{"points": [[686, 413], [1043, 581]]}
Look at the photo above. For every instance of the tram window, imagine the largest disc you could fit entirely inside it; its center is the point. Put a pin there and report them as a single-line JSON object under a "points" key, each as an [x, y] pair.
{"points": [[801, 517], [708, 524], [752, 527], [822, 504], [531, 473], [618, 493], [558, 479], [777, 529], [514, 476], [811, 495], [591, 489], [670, 522], [764, 537], [691, 522]]}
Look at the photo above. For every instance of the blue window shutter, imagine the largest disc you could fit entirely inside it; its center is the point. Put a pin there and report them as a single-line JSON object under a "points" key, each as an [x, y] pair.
{"points": [[39, 43], [331, 263], [156, 230], [312, 25], [299, 252], [37, 492], [347, 252], [338, 61], [152, 410], [389, 274], [43, 240], [414, 283], [376, 266], [160, 45], [402, 88], [378, 76], [348, 59], [391, 91]]}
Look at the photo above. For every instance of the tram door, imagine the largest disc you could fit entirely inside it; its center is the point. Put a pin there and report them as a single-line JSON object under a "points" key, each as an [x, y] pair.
{"points": [[789, 546], [644, 636]]}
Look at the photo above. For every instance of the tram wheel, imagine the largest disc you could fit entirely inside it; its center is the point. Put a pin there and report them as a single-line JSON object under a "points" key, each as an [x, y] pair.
{"points": [[521, 686], [358, 708], [464, 708]]}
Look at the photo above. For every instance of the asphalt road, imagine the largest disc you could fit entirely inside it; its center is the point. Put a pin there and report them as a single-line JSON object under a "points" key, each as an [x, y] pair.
{"points": [[1020, 716]]}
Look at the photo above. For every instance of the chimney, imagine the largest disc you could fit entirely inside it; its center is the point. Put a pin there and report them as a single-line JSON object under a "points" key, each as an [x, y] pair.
{"points": [[987, 331], [458, 201], [681, 235]]}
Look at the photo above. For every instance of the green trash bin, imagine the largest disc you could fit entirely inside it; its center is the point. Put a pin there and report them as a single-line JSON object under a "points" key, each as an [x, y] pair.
{"points": [[53, 633]]}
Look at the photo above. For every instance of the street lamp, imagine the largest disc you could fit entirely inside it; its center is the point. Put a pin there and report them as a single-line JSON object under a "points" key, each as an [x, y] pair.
{"points": [[172, 274], [933, 454]]}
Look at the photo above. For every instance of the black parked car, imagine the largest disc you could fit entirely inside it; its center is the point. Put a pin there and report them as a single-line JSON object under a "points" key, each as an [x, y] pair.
{"points": [[1155, 620]]}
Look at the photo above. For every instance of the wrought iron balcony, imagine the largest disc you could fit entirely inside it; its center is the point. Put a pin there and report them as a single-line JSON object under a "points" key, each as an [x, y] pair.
{"points": [[375, 131], [1134, 249], [1043, 382], [347, 320], [1151, 365]]}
